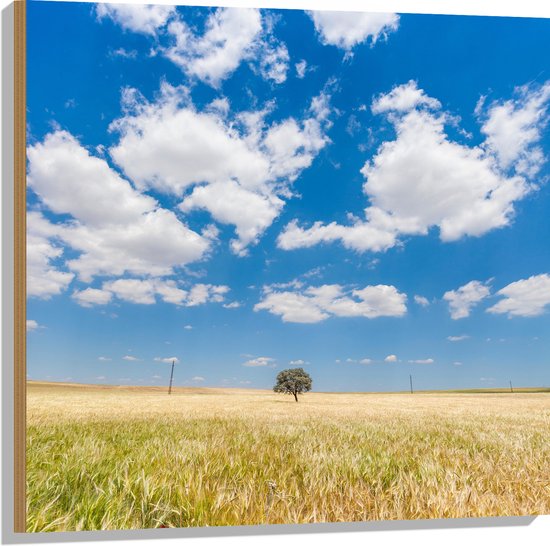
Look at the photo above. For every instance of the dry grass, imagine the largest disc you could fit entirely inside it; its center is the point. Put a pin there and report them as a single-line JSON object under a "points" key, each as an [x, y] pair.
{"points": [[126, 458]]}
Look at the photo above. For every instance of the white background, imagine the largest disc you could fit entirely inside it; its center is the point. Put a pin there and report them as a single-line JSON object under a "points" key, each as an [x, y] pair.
{"points": [[536, 533]]}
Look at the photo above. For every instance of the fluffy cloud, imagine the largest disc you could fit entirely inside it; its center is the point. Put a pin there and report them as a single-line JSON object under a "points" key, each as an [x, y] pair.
{"points": [[136, 17], [421, 180], [422, 301], [301, 69], [145, 291], [314, 304], [524, 298], [464, 298], [422, 361], [251, 213], [32, 325], [168, 145], [298, 362], [230, 36], [115, 228], [403, 98], [204, 293], [149, 291], [59, 168], [239, 168], [130, 358], [92, 296], [390, 358], [167, 360], [44, 278], [364, 361], [133, 290], [261, 361], [513, 128], [347, 29], [273, 64], [361, 236]]}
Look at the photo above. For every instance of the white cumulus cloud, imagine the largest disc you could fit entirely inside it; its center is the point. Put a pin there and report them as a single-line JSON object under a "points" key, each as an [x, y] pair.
{"points": [[403, 98], [44, 278], [167, 359], [524, 298], [146, 291], [514, 128], [422, 361], [230, 37], [145, 19], [261, 361], [423, 179], [32, 325], [298, 362], [251, 213], [115, 228], [273, 64], [212, 50], [232, 305], [316, 303], [92, 296], [347, 29], [464, 298], [239, 169], [390, 358]]}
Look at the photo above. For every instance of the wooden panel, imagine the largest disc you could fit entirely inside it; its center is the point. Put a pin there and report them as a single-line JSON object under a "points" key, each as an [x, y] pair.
{"points": [[20, 266]]}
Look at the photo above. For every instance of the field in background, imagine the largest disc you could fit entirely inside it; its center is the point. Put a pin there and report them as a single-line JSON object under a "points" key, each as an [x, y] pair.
{"points": [[134, 457]]}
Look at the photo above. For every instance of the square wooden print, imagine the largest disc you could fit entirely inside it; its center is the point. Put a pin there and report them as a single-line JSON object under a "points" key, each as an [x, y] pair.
{"points": [[282, 266]]}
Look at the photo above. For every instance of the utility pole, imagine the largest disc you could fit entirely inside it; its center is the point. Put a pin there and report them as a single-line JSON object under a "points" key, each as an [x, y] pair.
{"points": [[511, 389], [171, 377], [411, 381]]}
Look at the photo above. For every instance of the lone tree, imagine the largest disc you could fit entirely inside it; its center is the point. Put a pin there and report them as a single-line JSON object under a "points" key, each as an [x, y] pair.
{"points": [[293, 381]]}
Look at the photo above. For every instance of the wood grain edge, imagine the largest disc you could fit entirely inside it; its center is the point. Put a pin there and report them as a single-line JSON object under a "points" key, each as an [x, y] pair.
{"points": [[20, 269]]}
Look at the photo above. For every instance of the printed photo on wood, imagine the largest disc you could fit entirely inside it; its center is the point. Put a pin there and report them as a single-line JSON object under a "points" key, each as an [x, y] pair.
{"points": [[283, 267]]}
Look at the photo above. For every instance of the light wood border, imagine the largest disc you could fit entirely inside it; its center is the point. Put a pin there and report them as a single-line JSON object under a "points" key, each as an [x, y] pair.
{"points": [[20, 269]]}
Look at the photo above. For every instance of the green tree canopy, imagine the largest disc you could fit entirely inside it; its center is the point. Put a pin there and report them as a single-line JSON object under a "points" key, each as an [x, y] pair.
{"points": [[293, 381]]}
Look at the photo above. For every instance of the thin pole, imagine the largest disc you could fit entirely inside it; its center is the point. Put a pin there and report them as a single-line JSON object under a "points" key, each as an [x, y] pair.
{"points": [[511, 389], [411, 380], [171, 377]]}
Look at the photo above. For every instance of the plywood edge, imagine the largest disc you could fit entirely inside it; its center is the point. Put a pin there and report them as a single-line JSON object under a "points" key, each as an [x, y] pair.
{"points": [[20, 9]]}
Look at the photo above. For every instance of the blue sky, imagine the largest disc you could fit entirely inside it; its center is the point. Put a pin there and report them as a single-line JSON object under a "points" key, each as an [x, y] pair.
{"points": [[363, 195]]}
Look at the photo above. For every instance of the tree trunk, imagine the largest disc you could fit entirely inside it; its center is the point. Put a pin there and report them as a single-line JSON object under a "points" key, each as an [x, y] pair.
{"points": [[295, 396]]}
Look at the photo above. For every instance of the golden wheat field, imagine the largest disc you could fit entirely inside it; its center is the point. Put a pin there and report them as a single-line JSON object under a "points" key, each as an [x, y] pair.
{"points": [[129, 458]]}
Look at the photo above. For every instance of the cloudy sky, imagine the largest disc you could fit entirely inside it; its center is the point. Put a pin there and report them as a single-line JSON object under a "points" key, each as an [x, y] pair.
{"points": [[241, 190]]}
